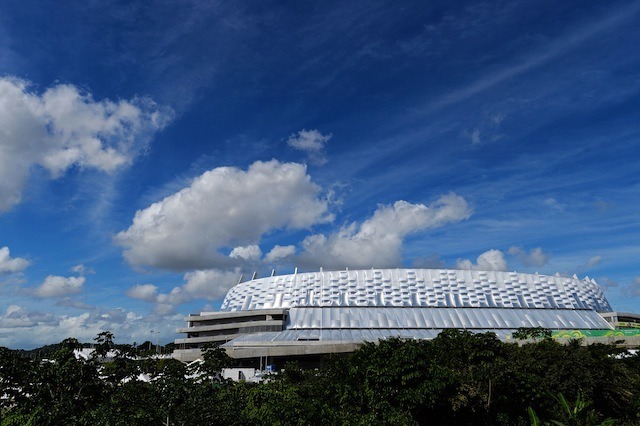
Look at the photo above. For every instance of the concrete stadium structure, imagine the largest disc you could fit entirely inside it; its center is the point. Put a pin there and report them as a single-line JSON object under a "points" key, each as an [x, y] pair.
{"points": [[306, 315]]}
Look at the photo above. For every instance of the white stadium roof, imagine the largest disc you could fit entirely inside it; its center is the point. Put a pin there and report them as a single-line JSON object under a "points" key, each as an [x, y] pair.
{"points": [[416, 287]]}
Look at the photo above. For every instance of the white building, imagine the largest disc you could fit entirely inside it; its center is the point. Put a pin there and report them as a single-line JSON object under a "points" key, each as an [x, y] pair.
{"points": [[314, 313]]}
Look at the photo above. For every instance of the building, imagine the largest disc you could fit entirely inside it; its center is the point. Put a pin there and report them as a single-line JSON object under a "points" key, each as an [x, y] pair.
{"points": [[622, 320], [303, 316]]}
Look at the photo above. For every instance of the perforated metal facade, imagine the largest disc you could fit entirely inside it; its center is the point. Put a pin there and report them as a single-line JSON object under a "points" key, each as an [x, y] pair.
{"points": [[417, 287]]}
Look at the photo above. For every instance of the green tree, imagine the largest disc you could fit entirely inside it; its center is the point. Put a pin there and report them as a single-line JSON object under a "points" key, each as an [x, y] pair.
{"points": [[15, 373], [104, 343], [133, 403], [524, 333], [578, 413], [64, 388], [214, 359]]}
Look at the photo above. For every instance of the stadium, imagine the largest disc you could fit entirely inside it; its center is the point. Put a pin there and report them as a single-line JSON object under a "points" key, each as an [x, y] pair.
{"points": [[304, 316]]}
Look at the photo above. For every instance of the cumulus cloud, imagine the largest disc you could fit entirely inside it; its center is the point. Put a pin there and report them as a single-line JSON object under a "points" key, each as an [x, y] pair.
{"points": [[211, 284], [535, 257], [280, 252], [65, 127], [224, 207], [250, 253], [492, 260], [56, 286], [377, 242], [10, 264], [148, 292], [312, 142]]}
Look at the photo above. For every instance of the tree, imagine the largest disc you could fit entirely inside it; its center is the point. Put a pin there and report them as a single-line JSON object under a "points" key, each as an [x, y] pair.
{"points": [[578, 413], [15, 373], [457, 378], [524, 333], [214, 359], [64, 388], [104, 343]]}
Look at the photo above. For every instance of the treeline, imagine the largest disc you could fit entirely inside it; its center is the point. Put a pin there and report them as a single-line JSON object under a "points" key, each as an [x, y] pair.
{"points": [[458, 378], [147, 348]]}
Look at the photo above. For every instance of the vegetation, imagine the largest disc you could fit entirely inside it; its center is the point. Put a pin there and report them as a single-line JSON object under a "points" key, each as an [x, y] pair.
{"points": [[457, 378], [523, 333]]}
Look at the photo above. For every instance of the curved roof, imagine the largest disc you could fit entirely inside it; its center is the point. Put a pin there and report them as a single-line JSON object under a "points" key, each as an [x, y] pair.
{"points": [[416, 287]]}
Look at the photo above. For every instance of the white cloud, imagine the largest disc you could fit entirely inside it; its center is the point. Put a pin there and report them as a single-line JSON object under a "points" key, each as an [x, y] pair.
{"points": [[280, 252], [164, 309], [10, 264], [56, 286], [211, 284], [607, 283], [497, 118], [492, 260], [377, 242], [312, 142], [475, 136], [73, 303], [594, 261], [535, 257], [19, 317], [148, 292], [634, 288], [250, 253], [64, 127], [81, 269], [224, 207], [20, 327]]}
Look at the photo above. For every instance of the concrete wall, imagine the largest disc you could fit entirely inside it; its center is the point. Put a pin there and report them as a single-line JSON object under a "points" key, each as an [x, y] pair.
{"points": [[239, 374]]}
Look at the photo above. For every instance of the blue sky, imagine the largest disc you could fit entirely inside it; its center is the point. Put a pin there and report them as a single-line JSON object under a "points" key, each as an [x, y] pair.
{"points": [[151, 152]]}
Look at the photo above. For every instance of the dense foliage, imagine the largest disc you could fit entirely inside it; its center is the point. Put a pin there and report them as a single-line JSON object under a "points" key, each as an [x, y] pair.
{"points": [[458, 378]]}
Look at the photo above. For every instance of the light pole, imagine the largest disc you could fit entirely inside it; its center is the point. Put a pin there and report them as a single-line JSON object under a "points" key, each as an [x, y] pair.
{"points": [[158, 343]]}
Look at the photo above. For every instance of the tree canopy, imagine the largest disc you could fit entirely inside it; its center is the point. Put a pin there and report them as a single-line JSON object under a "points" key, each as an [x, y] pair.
{"points": [[458, 378]]}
